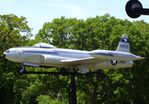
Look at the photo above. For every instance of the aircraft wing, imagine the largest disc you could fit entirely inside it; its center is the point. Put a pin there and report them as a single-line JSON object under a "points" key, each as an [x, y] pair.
{"points": [[89, 60], [31, 64]]}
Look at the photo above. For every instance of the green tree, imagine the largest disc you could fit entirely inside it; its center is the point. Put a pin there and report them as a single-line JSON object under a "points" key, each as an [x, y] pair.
{"points": [[104, 32], [14, 31], [100, 32]]}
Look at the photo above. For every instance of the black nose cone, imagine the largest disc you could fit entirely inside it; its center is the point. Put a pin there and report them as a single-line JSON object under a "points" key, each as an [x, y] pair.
{"points": [[4, 55]]}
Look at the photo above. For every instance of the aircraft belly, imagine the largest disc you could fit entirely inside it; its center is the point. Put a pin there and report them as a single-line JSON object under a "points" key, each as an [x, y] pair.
{"points": [[56, 65], [123, 58]]}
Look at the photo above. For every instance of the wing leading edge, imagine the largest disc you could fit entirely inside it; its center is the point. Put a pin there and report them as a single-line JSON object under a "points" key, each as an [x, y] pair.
{"points": [[89, 60]]}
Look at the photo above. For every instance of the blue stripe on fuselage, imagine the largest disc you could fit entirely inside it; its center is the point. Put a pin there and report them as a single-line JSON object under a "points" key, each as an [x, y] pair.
{"points": [[58, 53], [42, 52], [105, 54]]}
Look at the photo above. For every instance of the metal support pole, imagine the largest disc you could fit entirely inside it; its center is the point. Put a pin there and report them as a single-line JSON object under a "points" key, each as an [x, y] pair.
{"points": [[94, 91], [72, 91], [72, 85]]}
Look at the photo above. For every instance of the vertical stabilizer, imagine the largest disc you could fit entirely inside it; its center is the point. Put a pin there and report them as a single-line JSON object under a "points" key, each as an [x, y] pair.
{"points": [[124, 44]]}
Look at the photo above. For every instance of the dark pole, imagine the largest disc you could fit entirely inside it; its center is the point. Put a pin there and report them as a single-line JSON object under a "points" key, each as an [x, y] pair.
{"points": [[94, 90], [72, 85], [94, 93], [72, 91]]}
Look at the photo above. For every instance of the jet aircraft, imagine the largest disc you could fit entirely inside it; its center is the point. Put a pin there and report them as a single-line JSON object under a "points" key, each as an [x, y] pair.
{"points": [[46, 55]]}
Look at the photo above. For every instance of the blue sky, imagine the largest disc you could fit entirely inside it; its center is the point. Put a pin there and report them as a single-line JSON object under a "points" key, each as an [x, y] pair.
{"points": [[38, 12]]}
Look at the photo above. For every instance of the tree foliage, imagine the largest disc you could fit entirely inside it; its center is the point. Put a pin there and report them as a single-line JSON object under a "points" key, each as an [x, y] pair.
{"points": [[11, 30], [101, 32]]}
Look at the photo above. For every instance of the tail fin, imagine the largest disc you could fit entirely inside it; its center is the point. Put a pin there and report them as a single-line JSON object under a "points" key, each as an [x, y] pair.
{"points": [[124, 44]]}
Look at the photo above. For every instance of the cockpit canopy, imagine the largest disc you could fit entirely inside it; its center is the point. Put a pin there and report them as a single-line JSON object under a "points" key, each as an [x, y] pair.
{"points": [[43, 45]]}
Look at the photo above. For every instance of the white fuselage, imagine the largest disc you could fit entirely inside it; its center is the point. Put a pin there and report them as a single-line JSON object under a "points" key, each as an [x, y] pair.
{"points": [[54, 57], [43, 54]]}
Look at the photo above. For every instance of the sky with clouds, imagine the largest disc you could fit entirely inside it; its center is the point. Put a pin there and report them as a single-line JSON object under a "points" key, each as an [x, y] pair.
{"points": [[38, 12]]}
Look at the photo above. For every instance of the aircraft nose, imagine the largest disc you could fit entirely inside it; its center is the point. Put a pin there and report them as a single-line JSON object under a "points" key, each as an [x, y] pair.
{"points": [[9, 54], [5, 53], [13, 54]]}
